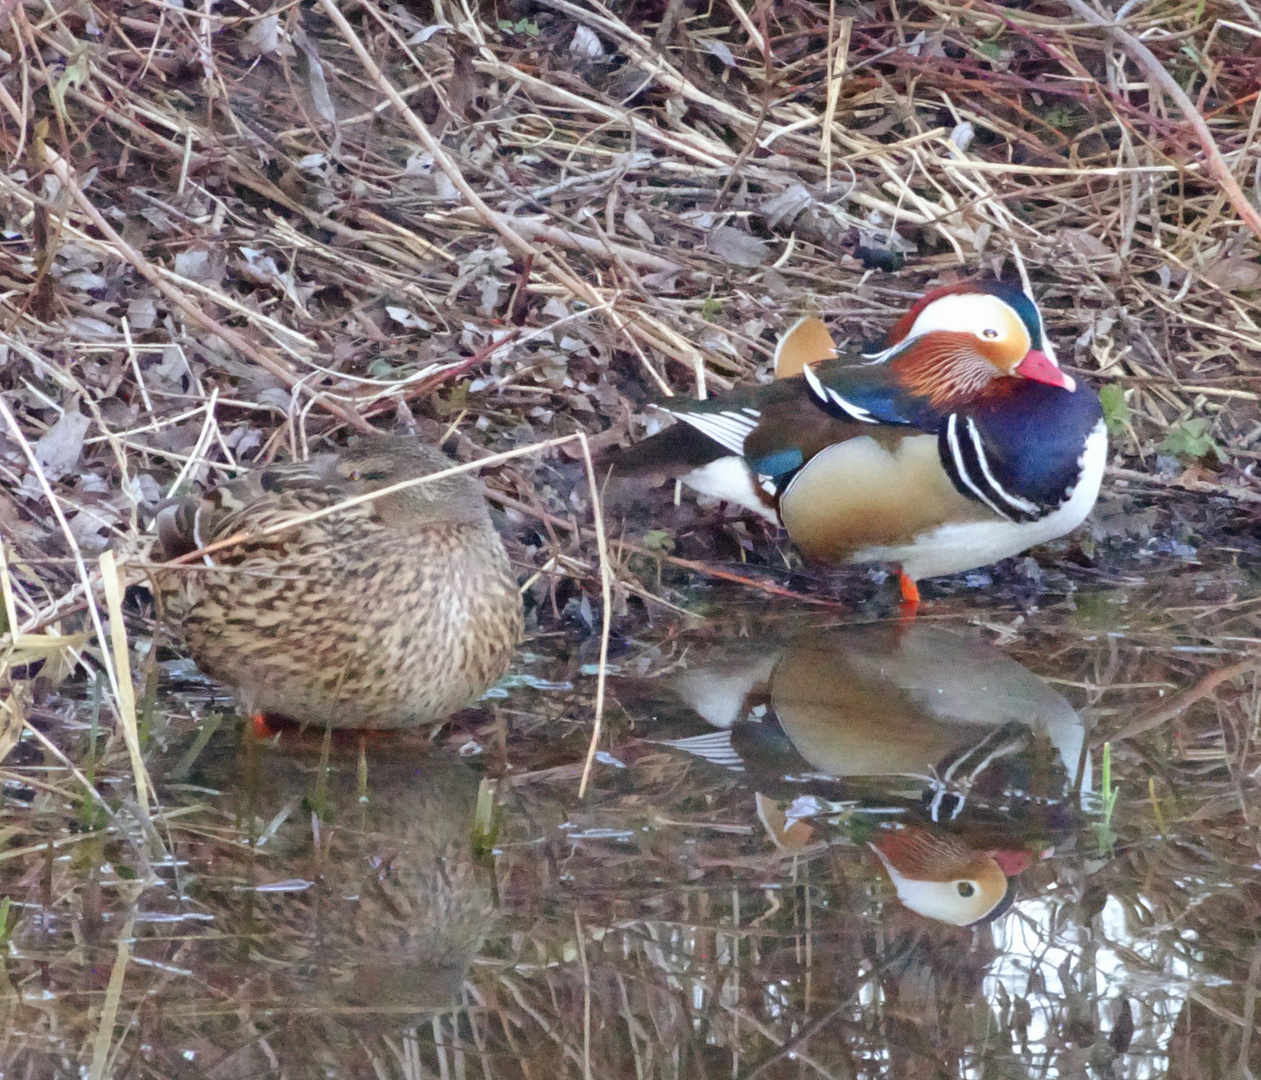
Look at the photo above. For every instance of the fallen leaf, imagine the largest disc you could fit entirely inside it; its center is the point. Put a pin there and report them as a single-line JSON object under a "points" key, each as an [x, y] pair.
{"points": [[196, 264], [786, 205], [408, 319], [785, 836], [1094, 249], [719, 49], [634, 221], [586, 44], [265, 39], [142, 313], [738, 248], [59, 447], [1235, 274]]}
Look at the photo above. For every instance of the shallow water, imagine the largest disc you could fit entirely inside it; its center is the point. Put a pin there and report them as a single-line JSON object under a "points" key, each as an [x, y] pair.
{"points": [[999, 841]]}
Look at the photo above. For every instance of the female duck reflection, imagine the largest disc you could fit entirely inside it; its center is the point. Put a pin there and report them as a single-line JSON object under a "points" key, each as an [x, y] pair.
{"points": [[369, 906], [956, 760]]}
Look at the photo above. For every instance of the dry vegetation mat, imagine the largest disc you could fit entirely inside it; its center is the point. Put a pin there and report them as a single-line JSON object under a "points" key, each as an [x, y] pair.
{"points": [[231, 232]]}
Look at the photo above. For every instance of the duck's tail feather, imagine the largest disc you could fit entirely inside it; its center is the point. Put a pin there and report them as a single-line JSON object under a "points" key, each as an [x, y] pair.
{"points": [[673, 452]]}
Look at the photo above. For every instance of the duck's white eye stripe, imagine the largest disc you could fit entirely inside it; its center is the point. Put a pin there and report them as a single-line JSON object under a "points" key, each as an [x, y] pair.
{"points": [[197, 540], [1021, 505]]}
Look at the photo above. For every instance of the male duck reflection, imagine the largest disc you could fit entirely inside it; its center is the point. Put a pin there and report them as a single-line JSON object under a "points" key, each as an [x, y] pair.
{"points": [[938, 727], [394, 611], [956, 443]]}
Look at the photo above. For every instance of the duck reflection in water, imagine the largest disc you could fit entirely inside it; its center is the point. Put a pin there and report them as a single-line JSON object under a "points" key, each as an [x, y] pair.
{"points": [[955, 764], [360, 905]]}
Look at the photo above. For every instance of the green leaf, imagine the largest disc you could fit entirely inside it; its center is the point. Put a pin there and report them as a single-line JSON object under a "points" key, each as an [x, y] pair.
{"points": [[659, 540], [76, 74], [1116, 410], [1062, 117], [1191, 440], [521, 26]]}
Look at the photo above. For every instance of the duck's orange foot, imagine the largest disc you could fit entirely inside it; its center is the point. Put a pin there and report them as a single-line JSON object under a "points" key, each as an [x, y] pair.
{"points": [[910, 595], [272, 726], [262, 727]]}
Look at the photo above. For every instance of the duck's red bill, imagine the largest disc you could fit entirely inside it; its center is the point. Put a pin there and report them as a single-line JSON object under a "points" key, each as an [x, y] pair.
{"points": [[1041, 368], [1012, 863]]}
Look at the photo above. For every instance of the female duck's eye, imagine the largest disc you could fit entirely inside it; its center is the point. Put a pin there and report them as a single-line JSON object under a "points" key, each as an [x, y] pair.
{"points": [[966, 889], [990, 333]]}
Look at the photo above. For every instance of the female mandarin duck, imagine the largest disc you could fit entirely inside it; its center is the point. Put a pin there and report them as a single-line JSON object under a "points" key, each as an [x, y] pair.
{"points": [[960, 442], [392, 612]]}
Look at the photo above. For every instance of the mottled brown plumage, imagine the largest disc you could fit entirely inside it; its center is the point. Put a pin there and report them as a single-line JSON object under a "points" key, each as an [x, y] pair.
{"points": [[391, 613], [364, 908]]}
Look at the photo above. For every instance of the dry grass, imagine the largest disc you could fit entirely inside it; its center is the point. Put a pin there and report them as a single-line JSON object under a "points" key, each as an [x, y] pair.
{"points": [[231, 233]]}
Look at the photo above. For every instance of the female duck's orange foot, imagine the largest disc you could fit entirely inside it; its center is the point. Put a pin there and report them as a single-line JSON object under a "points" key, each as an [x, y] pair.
{"points": [[910, 595], [270, 726], [262, 728]]}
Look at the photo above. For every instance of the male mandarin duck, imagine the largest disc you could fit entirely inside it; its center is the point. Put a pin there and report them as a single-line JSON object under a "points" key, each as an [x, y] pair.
{"points": [[940, 876], [913, 723], [936, 873], [392, 612], [957, 443], [909, 712]]}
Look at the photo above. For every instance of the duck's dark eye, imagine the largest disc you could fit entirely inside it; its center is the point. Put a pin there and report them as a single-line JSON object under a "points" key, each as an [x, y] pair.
{"points": [[966, 889], [368, 474], [990, 333]]}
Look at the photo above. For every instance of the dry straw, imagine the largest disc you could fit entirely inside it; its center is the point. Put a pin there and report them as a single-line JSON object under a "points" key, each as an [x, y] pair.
{"points": [[238, 234]]}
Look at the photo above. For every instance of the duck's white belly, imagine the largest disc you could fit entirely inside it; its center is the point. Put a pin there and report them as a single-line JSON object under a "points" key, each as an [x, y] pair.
{"points": [[950, 549]]}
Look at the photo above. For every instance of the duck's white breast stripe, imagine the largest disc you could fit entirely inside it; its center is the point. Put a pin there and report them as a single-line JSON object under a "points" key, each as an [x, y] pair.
{"points": [[1014, 501], [961, 466]]}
